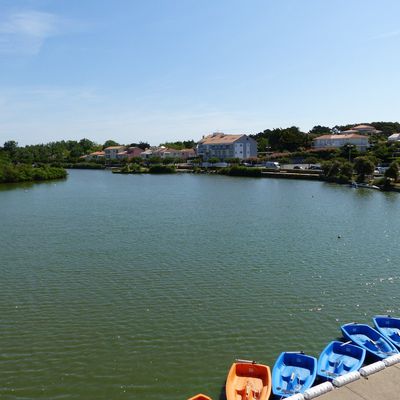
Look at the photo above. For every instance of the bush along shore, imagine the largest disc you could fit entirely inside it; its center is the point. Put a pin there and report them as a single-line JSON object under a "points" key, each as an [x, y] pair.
{"points": [[361, 173], [138, 169]]}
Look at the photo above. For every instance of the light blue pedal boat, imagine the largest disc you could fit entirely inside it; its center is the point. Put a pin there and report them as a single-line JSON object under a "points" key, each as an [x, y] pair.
{"points": [[339, 358], [369, 339], [293, 373], [389, 327]]}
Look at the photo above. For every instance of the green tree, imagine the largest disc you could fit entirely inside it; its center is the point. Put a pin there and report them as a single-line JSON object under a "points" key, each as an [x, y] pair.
{"points": [[155, 160], [87, 145], [382, 151], [290, 139], [363, 166], [109, 143], [346, 170], [331, 169], [11, 147], [349, 152], [262, 144], [338, 170], [141, 145], [282, 139], [393, 171], [320, 130], [168, 160], [187, 144], [387, 128]]}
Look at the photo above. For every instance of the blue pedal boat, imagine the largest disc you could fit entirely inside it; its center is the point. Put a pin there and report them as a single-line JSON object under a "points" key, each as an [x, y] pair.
{"points": [[340, 358], [389, 327], [369, 339], [293, 372]]}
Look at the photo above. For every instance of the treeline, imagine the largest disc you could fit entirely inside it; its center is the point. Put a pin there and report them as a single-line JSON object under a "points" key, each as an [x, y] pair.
{"points": [[48, 161], [286, 139], [290, 139], [66, 152], [53, 152]]}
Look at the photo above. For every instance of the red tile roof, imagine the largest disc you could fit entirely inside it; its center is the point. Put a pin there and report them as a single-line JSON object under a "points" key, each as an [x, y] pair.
{"points": [[220, 138], [364, 126], [350, 136], [114, 147]]}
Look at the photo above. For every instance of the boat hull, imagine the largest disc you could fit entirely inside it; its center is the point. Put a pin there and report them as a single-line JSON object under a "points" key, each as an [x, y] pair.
{"points": [[389, 327], [200, 397], [340, 358], [369, 339], [293, 373], [248, 381]]}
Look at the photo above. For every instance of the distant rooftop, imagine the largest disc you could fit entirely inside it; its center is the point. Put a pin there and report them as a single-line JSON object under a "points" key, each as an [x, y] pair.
{"points": [[342, 136], [220, 138], [363, 126], [114, 147]]}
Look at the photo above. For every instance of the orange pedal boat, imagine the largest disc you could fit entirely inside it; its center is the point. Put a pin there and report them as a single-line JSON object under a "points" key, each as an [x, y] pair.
{"points": [[248, 380], [200, 397]]}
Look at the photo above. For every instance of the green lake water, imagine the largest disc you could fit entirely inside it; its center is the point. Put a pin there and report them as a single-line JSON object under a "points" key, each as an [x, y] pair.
{"points": [[148, 287]]}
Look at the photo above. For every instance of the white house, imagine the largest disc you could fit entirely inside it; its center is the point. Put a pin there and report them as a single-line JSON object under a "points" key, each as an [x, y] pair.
{"points": [[337, 141], [225, 146], [364, 129], [111, 153], [97, 155], [164, 152], [394, 138]]}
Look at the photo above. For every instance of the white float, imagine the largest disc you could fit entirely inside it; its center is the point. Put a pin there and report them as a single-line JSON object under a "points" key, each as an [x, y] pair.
{"points": [[346, 378], [297, 396], [318, 390], [372, 368], [392, 360]]}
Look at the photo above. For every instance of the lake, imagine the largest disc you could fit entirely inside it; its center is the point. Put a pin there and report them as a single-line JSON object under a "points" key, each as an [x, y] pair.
{"points": [[148, 287]]}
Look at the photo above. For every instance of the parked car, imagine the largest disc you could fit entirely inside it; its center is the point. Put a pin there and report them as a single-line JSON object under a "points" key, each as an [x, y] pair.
{"points": [[315, 167], [380, 170], [272, 165]]}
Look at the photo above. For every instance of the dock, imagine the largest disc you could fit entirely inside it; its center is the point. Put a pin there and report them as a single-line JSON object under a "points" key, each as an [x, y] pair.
{"points": [[377, 381], [383, 385]]}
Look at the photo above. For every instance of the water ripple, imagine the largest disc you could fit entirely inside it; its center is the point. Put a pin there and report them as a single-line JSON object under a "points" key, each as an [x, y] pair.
{"points": [[130, 287]]}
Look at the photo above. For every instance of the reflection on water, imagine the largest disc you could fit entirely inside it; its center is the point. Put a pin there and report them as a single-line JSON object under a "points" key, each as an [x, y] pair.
{"points": [[5, 187]]}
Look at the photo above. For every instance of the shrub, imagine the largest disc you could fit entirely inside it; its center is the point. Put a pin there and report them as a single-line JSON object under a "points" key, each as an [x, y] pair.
{"points": [[10, 173], [393, 171], [161, 169], [337, 171], [384, 183], [241, 171]]}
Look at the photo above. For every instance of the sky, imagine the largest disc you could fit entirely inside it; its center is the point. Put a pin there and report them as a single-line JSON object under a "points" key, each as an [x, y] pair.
{"points": [[169, 70]]}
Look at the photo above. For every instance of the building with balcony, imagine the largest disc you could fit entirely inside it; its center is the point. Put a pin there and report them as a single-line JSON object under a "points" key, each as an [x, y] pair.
{"points": [[360, 142], [223, 147]]}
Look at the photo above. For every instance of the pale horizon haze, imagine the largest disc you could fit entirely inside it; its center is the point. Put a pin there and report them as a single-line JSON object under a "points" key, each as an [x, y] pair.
{"points": [[168, 70]]}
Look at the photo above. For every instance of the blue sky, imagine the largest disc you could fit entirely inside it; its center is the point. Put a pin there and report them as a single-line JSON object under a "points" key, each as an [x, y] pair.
{"points": [[166, 70]]}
